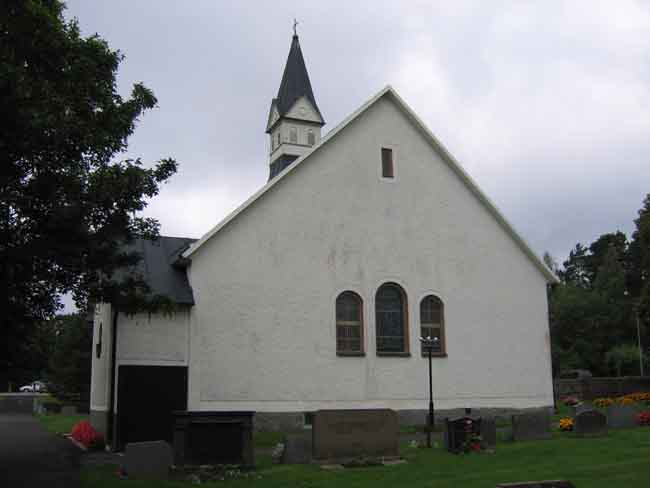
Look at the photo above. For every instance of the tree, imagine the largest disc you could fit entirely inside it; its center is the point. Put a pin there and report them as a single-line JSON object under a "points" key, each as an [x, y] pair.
{"points": [[68, 205], [624, 360], [639, 276], [70, 363]]}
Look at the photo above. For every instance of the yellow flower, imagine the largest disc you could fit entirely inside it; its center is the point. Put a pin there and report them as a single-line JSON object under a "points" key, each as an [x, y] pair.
{"points": [[566, 424]]}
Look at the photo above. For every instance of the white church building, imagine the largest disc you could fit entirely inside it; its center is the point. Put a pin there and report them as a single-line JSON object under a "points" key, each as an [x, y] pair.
{"points": [[313, 294]]}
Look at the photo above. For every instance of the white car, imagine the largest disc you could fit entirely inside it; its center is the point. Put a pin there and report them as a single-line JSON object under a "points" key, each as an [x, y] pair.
{"points": [[34, 387]]}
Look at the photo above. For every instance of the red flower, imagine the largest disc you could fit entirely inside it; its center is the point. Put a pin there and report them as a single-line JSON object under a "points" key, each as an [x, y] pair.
{"points": [[85, 433], [643, 418]]}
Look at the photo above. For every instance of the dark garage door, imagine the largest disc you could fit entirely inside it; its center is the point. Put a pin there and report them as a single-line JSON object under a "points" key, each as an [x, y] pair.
{"points": [[147, 396]]}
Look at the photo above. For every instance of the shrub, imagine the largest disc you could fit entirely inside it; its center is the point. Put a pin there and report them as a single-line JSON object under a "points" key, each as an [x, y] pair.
{"points": [[643, 419], [84, 433], [566, 424]]}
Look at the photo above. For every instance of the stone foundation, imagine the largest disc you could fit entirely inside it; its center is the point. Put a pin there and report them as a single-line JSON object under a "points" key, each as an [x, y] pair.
{"points": [[294, 421]]}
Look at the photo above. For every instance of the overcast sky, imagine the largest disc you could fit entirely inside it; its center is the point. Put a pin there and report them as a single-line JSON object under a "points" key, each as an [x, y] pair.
{"points": [[546, 105]]}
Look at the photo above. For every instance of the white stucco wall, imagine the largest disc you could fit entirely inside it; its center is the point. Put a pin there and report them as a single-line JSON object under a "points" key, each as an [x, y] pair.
{"points": [[101, 366], [152, 340], [263, 327]]}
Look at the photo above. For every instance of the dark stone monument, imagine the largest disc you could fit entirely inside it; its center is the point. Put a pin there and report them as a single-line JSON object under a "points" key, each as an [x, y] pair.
{"points": [[489, 432], [148, 459], [213, 438], [339, 435], [297, 448], [621, 416], [590, 423], [538, 484], [531, 426], [459, 430]]}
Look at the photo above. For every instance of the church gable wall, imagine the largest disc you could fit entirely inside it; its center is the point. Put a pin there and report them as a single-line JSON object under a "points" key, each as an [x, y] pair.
{"points": [[263, 327]]}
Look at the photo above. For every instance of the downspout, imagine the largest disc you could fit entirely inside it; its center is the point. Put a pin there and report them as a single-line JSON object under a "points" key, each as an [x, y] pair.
{"points": [[549, 290], [112, 424]]}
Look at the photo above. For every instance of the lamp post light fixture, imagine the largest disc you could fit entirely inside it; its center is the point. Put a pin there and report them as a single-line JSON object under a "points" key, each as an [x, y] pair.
{"points": [[429, 343]]}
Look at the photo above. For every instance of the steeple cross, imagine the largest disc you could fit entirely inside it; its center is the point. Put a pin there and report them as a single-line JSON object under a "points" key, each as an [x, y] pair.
{"points": [[295, 24]]}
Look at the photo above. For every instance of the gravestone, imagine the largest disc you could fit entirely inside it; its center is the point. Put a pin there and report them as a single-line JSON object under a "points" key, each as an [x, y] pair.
{"points": [[459, 430], [338, 435], [224, 437], [531, 426], [297, 448], [489, 433], [581, 407], [621, 416], [538, 484], [590, 423], [148, 459]]}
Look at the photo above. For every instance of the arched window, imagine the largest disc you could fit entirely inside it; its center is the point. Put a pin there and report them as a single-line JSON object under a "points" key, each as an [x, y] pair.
{"points": [[311, 139], [293, 135], [279, 140], [349, 324], [391, 320], [432, 323]]}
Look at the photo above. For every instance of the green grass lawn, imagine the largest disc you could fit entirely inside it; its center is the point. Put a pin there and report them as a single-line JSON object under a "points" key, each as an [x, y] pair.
{"points": [[620, 459], [60, 424]]}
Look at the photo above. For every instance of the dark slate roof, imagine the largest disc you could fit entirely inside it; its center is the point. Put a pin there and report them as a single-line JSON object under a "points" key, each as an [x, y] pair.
{"points": [[279, 164], [162, 269], [295, 82]]}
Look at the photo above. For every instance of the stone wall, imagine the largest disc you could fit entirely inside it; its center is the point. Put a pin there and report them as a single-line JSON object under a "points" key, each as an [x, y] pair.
{"points": [[590, 388], [18, 402]]}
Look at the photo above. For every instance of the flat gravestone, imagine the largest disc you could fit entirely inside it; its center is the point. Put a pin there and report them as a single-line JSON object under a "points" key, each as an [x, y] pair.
{"points": [[148, 459], [297, 448], [538, 484], [621, 416], [591, 423], [338, 435], [489, 433], [531, 426]]}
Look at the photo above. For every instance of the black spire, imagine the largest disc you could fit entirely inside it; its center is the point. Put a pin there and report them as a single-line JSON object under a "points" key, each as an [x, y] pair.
{"points": [[295, 81]]}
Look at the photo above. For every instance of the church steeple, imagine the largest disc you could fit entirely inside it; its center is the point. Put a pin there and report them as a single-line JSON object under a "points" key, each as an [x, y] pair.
{"points": [[295, 121]]}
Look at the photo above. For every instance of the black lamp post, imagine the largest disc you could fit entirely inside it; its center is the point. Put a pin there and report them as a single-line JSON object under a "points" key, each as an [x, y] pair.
{"points": [[429, 343]]}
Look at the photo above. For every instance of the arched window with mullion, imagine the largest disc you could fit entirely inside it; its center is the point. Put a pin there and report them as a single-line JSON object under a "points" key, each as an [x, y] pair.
{"points": [[432, 323], [349, 324], [391, 320]]}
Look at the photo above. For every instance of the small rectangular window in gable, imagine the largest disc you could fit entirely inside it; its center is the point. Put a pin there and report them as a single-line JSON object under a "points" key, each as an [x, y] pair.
{"points": [[387, 170]]}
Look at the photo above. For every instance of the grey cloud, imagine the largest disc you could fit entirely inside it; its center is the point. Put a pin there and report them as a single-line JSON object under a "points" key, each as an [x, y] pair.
{"points": [[545, 105]]}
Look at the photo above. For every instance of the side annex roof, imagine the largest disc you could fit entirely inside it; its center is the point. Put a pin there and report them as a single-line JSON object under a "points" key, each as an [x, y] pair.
{"points": [[437, 145]]}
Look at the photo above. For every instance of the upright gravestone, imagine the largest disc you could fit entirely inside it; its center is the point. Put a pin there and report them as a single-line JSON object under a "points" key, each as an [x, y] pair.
{"points": [[297, 448], [581, 407], [340, 435], [621, 416], [531, 426], [590, 423], [489, 433], [148, 459], [459, 431]]}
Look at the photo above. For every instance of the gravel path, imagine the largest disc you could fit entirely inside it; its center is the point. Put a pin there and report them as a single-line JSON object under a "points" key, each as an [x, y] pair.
{"points": [[32, 457]]}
